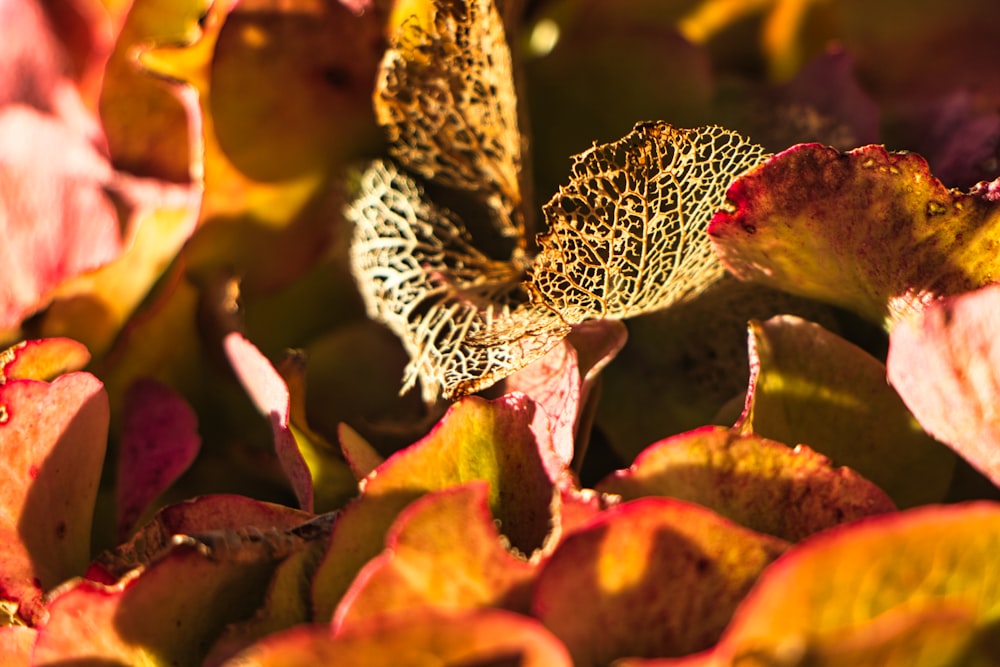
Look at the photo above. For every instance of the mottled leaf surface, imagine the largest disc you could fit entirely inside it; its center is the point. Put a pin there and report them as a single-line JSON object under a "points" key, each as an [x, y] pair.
{"points": [[812, 387], [475, 440], [444, 550], [53, 437], [651, 577], [946, 366], [428, 638], [758, 483], [869, 230]]}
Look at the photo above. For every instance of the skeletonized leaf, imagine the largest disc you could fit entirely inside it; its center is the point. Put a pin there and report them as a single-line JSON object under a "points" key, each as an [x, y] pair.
{"points": [[445, 96], [628, 232], [463, 318]]}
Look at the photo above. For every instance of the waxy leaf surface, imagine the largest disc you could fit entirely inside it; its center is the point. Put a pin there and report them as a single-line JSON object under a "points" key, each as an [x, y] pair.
{"points": [[946, 366], [869, 230], [855, 574], [475, 440], [809, 386], [758, 483], [427, 638], [159, 441], [651, 577], [53, 437], [445, 551]]}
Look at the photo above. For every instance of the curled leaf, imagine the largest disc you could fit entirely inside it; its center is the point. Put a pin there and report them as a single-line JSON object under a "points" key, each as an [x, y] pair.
{"points": [[869, 230], [946, 366], [650, 577], [479, 638], [445, 95], [462, 317], [627, 235], [758, 483], [444, 551], [42, 359]]}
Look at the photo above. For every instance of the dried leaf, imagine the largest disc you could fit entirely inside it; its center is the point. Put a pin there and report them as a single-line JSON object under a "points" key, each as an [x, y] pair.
{"points": [[627, 235], [445, 95], [462, 316]]}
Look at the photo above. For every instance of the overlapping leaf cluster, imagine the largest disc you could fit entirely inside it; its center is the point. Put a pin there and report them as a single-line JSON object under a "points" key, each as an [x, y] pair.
{"points": [[178, 488]]}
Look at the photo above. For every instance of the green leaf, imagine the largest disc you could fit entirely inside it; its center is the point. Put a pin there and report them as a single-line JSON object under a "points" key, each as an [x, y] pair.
{"points": [[812, 387], [758, 483], [444, 551], [869, 230], [475, 440]]}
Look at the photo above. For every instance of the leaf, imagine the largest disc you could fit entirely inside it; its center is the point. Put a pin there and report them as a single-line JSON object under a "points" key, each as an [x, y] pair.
{"points": [[53, 436], [650, 577], [465, 639], [209, 518], [445, 95], [845, 579], [51, 178], [159, 442], [165, 614], [626, 236], [443, 551], [361, 457], [758, 483], [42, 359], [945, 364], [868, 230], [810, 386], [475, 440], [462, 317], [554, 382], [16, 644]]}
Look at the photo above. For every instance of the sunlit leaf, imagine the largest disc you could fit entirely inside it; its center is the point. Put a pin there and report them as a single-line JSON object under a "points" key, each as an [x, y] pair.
{"points": [[475, 440], [42, 359], [428, 638], [809, 386], [165, 614], [159, 441], [445, 551], [651, 577], [53, 437], [869, 230], [445, 96], [360, 455], [946, 366], [16, 644], [844, 579], [463, 317], [759, 483], [627, 235]]}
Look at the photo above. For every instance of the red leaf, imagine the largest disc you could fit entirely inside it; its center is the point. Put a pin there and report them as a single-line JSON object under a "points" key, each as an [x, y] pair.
{"points": [[270, 394], [159, 441], [53, 438], [945, 364]]}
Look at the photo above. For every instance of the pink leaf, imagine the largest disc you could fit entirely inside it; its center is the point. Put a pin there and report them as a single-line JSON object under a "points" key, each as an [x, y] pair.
{"points": [[269, 393], [53, 438], [945, 364], [159, 442]]}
